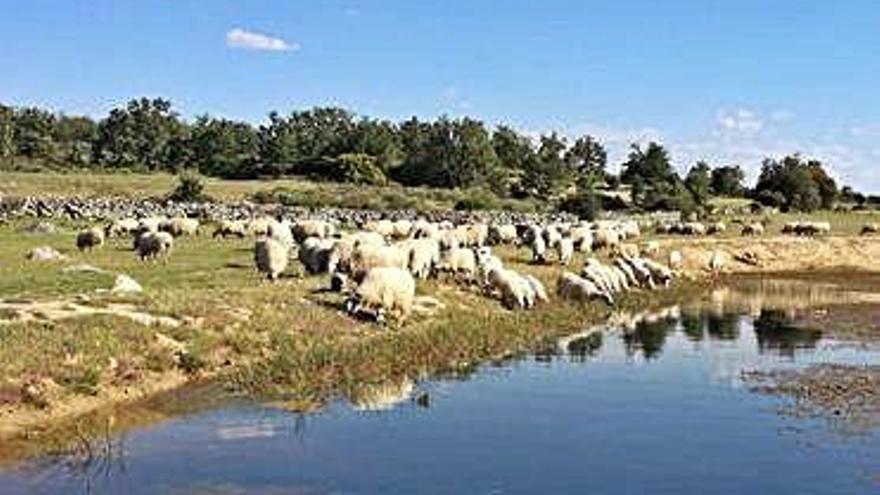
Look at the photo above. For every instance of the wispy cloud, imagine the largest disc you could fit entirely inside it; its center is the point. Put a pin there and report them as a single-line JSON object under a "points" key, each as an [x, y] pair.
{"points": [[741, 121], [252, 40], [452, 98]]}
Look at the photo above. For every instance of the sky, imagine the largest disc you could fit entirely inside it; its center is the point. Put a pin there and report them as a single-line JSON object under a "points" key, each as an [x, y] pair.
{"points": [[727, 81]]}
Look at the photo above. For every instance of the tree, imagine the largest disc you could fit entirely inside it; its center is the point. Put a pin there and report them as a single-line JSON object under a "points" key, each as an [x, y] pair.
{"points": [[698, 182], [546, 172], [728, 181], [140, 135], [74, 137], [650, 173], [223, 148], [827, 186], [34, 133], [587, 157], [512, 149], [789, 184], [7, 132]]}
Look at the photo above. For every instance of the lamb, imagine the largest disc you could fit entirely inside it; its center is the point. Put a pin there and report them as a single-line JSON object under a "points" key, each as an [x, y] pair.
{"points": [[384, 290], [90, 239], [271, 257], [235, 228], [151, 245], [566, 250], [573, 287], [179, 226]]}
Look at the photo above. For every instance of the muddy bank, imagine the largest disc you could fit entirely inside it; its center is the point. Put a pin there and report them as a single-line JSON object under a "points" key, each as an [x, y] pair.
{"points": [[849, 393]]}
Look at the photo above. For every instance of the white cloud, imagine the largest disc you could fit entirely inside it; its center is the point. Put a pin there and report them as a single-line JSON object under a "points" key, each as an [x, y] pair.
{"points": [[252, 40], [741, 121], [869, 130]]}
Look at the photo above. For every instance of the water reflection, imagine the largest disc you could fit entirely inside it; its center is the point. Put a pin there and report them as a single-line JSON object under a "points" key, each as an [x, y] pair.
{"points": [[776, 333]]}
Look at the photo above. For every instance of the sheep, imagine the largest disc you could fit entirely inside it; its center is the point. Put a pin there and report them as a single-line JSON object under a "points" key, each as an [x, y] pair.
{"points": [[573, 287], [90, 239], [401, 229], [368, 256], [460, 262], [422, 229], [658, 272], [259, 227], [122, 226], [314, 254], [753, 229], [595, 272], [640, 271], [537, 287], [179, 226], [281, 232], [628, 271], [343, 249], [629, 229], [234, 228], [423, 255], [304, 229], [449, 240], [652, 248], [539, 250], [551, 236], [149, 224], [806, 228], [582, 236], [605, 238], [383, 290], [385, 228], [870, 228], [151, 245], [717, 260], [271, 257], [626, 249], [515, 291], [501, 234], [566, 250], [716, 228]]}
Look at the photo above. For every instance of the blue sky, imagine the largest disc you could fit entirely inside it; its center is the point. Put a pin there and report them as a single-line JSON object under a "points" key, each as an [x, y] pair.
{"points": [[729, 81]]}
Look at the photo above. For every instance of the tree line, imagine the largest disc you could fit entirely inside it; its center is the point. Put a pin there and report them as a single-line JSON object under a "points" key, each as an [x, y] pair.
{"points": [[334, 144]]}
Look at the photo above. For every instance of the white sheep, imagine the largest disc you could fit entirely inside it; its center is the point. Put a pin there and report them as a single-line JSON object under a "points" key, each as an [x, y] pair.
{"points": [[235, 228], [368, 256], [565, 247], [384, 290], [121, 226], [314, 254], [539, 250], [573, 287], [460, 262], [179, 226], [304, 229], [582, 236], [423, 255], [502, 234], [271, 257], [675, 259], [515, 291]]}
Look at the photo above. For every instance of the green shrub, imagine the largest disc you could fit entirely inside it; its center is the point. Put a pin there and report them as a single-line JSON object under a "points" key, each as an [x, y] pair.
{"points": [[189, 188]]}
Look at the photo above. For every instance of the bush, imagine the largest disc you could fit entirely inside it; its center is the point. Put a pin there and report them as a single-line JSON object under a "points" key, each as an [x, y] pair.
{"points": [[355, 168], [586, 205], [189, 188], [477, 199]]}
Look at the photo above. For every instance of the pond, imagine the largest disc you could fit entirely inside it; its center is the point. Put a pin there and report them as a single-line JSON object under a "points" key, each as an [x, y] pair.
{"points": [[659, 408]]}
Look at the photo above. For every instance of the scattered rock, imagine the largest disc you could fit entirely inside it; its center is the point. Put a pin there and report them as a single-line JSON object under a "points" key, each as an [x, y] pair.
{"points": [[126, 285], [45, 253], [82, 267]]}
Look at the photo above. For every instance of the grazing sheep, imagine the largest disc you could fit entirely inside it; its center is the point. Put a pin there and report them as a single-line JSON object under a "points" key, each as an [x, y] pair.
{"points": [[460, 262], [716, 228], [149, 224], [259, 227], [572, 287], [121, 227], [234, 228], [717, 260], [90, 239], [385, 228], [423, 255], [281, 232], [423, 229], [753, 229], [502, 234], [401, 229], [368, 256], [870, 228], [151, 245], [659, 272], [605, 238], [343, 249], [626, 249], [271, 257], [629, 229], [582, 236], [652, 248], [566, 250], [537, 287], [551, 236], [539, 250], [314, 254], [312, 228], [384, 290], [515, 291], [449, 240], [179, 226]]}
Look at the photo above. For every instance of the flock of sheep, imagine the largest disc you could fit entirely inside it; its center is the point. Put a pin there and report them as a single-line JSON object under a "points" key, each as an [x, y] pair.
{"points": [[378, 263]]}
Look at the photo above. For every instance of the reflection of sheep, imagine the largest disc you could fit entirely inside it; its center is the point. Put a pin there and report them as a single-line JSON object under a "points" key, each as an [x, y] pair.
{"points": [[271, 257], [151, 245], [573, 287], [89, 239], [384, 290]]}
